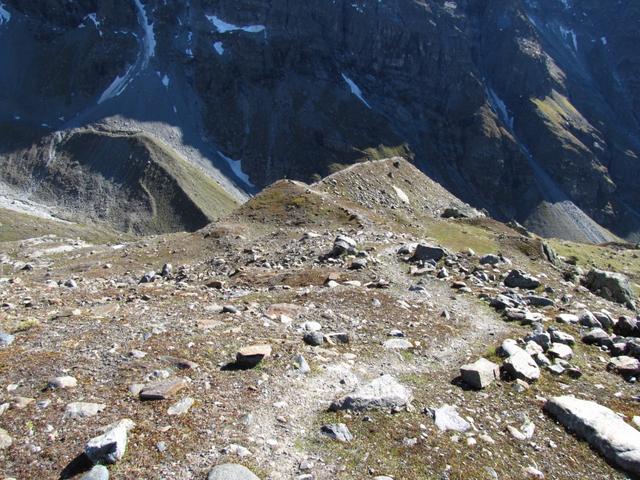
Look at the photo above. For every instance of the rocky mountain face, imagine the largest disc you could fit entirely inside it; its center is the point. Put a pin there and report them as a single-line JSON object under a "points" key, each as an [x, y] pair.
{"points": [[528, 109]]}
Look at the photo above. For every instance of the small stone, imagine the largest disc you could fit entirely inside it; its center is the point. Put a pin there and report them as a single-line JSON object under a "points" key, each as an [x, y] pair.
{"points": [[301, 364], [5, 439], [83, 409], [337, 431], [447, 418], [251, 356], [162, 390], [315, 338], [62, 382], [181, 407], [560, 350]]}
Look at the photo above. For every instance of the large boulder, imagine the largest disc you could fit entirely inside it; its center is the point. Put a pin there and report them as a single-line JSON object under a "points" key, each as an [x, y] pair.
{"points": [[627, 327], [611, 286], [427, 253], [382, 393], [518, 279], [605, 431]]}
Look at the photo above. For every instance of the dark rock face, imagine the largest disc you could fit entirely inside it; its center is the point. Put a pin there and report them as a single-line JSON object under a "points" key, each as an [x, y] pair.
{"points": [[528, 109]]}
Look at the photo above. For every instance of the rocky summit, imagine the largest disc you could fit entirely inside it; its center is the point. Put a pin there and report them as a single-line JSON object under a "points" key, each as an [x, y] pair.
{"points": [[365, 239], [153, 116]]}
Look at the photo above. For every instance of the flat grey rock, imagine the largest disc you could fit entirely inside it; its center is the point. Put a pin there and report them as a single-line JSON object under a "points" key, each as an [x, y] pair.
{"points": [[83, 409], [382, 393], [605, 431]]}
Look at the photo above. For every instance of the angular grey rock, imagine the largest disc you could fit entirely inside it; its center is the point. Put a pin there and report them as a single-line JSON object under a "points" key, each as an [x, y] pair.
{"points": [[624, 365], [337, 431], [162, 390], [611, 286], [315, 339], [518, 279], [605, 431], [541, 338], [519, 364], [382, 393], [425, 253], [231, 471], [448, 418], [587, 319], [567, 318], [98, 472], [111, 445], [343, 245], [558, 336], [480, 374], [538, 301], [596, 336], [490, 259], [301, 364], [627, 327]]}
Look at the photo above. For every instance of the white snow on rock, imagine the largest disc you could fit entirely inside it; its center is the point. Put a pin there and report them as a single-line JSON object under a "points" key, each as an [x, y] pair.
{"points": [[94, 19], [219, 47], [500, 108], [118, 86], [355, 90], [224, 27], [236, 167], [149, 40], [5, 16]]}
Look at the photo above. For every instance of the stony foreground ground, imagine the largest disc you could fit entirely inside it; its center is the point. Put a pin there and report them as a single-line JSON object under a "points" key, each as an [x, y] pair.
{"points": [[258, 344]]}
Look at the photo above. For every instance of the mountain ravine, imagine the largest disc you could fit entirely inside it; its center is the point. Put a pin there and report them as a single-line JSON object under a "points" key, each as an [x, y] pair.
{"points": [[528, 109]]}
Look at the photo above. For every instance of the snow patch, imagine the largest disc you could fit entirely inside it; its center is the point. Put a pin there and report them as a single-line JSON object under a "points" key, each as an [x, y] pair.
{"points": [[500, 108], [236, 168], [219, 47], [118, 86], [224, 27], [603, 40], [149, 40], [569, 35], [355, 90], [5, 16], [94, 18]]}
